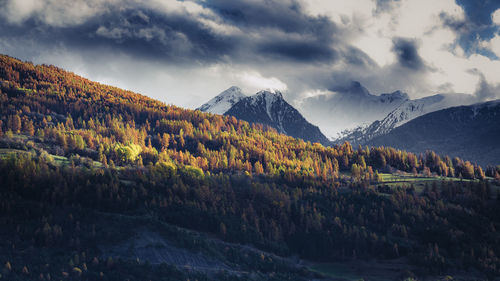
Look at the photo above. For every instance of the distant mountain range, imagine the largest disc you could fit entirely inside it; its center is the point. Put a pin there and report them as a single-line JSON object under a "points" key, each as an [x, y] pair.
{"points": [[470, 132], [265, 107], [408, 110], [431, 123]]}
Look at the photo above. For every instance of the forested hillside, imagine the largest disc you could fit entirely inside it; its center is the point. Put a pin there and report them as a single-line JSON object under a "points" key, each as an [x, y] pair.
{"points": [[75, 152]]}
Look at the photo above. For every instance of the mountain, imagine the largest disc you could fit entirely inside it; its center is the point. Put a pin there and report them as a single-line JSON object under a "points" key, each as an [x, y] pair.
{"points": [[224, 101], [348, 108], [268, 108], [408, 110], [470, 132]]}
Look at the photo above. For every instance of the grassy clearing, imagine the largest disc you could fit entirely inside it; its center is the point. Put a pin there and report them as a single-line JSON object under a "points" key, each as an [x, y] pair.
{"points": [[409, 178], [400, 178], [58, 160], [418, 181], [5, 152]]}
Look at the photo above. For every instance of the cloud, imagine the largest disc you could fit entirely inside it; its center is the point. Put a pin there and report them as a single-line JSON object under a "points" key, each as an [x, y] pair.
{"points": [[131, 28], [113, 33], [254, 80], [298, 50], [280, 30], [406, 51], [384, 5], [495, 17], [184, 31], [60, 13], [493, 45], [285, 15], [484, 90]]}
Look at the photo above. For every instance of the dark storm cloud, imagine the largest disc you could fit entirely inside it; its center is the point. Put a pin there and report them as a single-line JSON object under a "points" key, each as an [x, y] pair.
{"points": [[277, 30], [172, 37], [299, 51], [356, 57], [286, 15], [406, 51], [299, 37], [134, 31]]}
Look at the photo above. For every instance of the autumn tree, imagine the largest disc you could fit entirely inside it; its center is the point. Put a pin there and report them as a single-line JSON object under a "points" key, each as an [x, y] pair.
{"points": [[14, 123]]}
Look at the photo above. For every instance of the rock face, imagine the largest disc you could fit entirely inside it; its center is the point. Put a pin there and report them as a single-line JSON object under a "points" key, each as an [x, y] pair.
{"points": [[469, 132], [349, 108], [268, 108], [408, 110]]}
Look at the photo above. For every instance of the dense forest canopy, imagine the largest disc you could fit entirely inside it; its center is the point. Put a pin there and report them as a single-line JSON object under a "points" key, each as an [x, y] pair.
{"points": [[68, 142]]}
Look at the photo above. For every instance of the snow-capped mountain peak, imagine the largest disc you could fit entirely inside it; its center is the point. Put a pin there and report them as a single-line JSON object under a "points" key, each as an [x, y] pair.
{"points": [[412, 109], [269, 98], [268, 107], [269, 95], [223, 101]]}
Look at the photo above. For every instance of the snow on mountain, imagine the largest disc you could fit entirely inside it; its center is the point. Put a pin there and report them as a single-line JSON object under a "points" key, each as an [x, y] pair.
{"points": [[405, 112], [470, 132], [349, 107], [350, 114], [269, 98], [270, 108], [266, 107], [224, 101]]}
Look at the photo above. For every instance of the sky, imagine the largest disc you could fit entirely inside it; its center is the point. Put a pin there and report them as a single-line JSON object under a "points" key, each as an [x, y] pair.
{"points": [[186, 52]]}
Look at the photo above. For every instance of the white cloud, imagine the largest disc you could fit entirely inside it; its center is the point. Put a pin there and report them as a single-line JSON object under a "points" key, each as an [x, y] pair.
{"points": [[495, 17], [489, 68], [219, 27], [341, 11], [113, 33], [18, 11], [493, 44], [254, 81], [54, 12], [178, 7]]}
